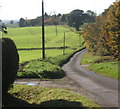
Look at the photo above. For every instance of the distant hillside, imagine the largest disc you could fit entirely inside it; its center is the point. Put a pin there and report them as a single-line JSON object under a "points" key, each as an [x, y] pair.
{"points": [[8, 21], [15, 25]]}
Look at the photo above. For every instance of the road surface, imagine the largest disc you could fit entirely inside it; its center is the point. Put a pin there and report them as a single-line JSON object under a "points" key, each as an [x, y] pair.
{"points": [[104, 90]]}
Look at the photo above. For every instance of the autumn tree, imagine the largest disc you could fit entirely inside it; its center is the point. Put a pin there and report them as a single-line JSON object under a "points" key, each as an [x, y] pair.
{"points": [[102, 37]]}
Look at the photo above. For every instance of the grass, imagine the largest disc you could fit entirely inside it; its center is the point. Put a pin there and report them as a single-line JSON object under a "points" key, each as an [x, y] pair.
{"points": [[101, 65], [15, 25], [50, 68], [29, 55], [30, 37], [41, 69], [36, 54], [48, 97]]}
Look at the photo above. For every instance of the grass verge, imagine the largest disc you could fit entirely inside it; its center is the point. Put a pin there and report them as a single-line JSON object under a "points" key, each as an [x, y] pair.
{"points": [[47, 97], [102, 65]]}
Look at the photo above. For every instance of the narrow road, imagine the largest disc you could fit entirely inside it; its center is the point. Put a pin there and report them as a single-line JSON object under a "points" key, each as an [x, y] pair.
{"points": [[104, 90]]}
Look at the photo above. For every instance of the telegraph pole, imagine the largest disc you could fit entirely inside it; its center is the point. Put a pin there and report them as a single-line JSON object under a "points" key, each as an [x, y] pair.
{"points": [[64, 44], [0, 25], [56, 29], [43, 33], [79, 40]]}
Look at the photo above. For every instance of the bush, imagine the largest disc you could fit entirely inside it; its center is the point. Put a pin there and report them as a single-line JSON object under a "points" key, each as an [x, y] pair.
{"points": [[10, 63], [41, 69]]}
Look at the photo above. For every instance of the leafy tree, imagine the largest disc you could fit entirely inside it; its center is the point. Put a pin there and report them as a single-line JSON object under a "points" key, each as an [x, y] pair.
{"points": [[112, 29], [64, 18], [102, 37], [76, 18], [90, 16]]}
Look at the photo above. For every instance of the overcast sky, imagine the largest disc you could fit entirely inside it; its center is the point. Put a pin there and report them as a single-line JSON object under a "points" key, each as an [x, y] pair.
{"points": [[15, 9]]}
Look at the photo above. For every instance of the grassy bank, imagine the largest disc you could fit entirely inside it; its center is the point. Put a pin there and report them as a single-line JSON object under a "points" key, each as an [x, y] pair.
{"points": [[50, 68], [101, 65], [24, 95]]}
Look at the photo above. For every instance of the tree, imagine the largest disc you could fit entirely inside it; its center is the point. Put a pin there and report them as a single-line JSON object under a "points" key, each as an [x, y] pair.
{"points": [[64, 18], [102, 37], [76, 18], [11, 21], [112, 28], [90, 16], [46, 15], [22, 22], [59, 15]]}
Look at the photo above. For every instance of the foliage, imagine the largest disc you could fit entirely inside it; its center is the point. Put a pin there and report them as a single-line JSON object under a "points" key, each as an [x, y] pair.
{"points": [[77, 18], [49, 97], [58, 19], [22, 22], [44, 69], [64, 17], [41, 69], [10, 63], [102, 37], [50, 68], [48, 20]]}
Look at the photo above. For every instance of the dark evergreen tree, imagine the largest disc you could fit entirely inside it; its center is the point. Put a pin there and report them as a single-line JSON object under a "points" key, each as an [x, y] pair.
{"points": [[22, 22]]}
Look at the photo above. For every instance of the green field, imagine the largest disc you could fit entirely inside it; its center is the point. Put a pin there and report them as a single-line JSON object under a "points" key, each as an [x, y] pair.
{"points": [[30, 37]]}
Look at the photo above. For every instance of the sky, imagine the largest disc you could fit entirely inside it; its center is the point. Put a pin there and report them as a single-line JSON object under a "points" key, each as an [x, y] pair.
{"points": [[15, 9]]}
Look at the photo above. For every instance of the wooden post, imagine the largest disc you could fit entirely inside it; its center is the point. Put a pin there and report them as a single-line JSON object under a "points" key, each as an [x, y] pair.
{"points": [[64, 44], [43, 33]]}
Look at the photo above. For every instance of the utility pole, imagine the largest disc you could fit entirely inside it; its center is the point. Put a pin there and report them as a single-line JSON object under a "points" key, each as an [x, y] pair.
{"points": [[43, 33], [64, 44], [79, 40], [0, 26], [56, 28]]}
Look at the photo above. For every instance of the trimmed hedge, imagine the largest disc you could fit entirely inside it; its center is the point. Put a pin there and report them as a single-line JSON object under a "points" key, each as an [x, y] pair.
{"points": [[10, 63]]}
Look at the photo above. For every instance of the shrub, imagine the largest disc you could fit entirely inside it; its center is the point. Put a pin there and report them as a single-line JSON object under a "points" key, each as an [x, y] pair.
{"points": [[10, 63], [41, 69]]}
